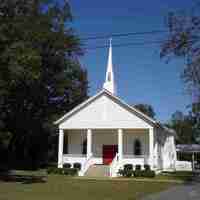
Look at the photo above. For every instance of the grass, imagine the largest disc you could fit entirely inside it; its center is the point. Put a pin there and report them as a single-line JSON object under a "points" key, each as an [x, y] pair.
{"points": [[176, 177], [173, 177], [183, 176], [61, 188]]}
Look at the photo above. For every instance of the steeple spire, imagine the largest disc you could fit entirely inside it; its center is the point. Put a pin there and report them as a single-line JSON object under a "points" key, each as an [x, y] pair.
{"points": [[109, 81]]}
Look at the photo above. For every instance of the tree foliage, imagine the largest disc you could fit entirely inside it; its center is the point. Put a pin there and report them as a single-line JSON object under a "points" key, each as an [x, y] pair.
{"points": [[40, 75], [183, 41], [185, 127], [146, 109]]}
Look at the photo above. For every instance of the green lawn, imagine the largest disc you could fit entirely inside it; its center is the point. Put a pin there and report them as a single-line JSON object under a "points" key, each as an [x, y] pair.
{"points": [[58, 187], [183, 176]]}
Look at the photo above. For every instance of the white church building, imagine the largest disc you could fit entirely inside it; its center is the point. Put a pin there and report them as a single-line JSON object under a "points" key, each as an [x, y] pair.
{"points": [[106, 131]]}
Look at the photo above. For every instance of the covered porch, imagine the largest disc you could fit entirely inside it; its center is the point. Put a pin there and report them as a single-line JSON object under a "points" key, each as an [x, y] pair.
{"points": [[113, 147]]}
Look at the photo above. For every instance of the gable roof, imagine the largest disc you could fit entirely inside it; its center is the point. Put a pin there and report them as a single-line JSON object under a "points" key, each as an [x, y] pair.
{"points": [[118, 100], [132, 109]]}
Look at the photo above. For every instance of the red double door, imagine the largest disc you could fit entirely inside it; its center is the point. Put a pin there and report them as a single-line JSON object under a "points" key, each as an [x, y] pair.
{"points": [[109, 152]]}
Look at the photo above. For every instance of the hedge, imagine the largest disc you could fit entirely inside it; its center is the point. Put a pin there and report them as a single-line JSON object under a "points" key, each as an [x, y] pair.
{"points": [[71, 172], [144, 173], [65, 171], [77, 166], [137, 173], [137, 167], [128, 167], [67, 165], [147, 167], [125, 172]]}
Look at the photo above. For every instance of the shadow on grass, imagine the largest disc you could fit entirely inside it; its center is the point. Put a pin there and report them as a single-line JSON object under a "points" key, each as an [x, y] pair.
{"points": [[194, 179], [188, 178], [24, 179]]}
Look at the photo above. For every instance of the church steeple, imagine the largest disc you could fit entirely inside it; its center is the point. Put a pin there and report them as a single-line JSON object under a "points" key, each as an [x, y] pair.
{"points": [[109, 81]]}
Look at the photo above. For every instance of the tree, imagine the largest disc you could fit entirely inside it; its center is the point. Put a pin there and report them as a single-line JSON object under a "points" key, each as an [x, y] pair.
{"points": [[177, 116], [40, 75], [184, 125], [183, 41], [146, 109]]}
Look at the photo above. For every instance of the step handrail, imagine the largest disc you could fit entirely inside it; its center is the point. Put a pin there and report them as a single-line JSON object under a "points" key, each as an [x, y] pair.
{"points": [[114, 164], [87, 164]]}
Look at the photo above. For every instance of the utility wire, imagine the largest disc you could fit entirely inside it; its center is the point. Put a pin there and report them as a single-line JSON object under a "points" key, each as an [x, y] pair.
{"points": [[124, 34], [126, 44]]}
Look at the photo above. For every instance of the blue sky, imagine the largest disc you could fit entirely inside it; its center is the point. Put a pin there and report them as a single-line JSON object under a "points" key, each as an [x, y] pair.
{"points": [[141, 76]]}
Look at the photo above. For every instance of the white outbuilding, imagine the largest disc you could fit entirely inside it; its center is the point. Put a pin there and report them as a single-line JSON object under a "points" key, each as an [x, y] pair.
{"points": [[104, 131]]}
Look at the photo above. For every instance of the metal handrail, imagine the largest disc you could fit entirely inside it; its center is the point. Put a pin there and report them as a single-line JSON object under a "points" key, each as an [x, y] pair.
{"points": [[85, 167], [75, 155], [114, 163]]}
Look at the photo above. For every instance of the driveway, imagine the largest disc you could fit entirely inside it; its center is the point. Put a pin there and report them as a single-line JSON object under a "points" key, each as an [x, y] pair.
{"points": [[189, 191]]}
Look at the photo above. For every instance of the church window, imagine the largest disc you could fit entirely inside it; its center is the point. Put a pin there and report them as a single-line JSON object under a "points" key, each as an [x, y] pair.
{"points": [[84, 147], [137, 147]]}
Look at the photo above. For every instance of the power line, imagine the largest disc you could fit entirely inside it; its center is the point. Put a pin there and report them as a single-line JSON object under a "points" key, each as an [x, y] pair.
{"points": [[105, 36], [130, 44], [126, 45]]}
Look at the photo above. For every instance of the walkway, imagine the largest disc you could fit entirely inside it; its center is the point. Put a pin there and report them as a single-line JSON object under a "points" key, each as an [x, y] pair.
{"points": [[189, 191]]}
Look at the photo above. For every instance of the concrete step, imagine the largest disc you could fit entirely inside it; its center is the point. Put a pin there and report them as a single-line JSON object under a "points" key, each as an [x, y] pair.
{"points": [[98, 171]]}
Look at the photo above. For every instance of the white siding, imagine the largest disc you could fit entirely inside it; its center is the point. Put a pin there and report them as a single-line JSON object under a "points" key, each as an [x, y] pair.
{"points": [[156, 154], [166, 150], [104, 112], [169, 153]]}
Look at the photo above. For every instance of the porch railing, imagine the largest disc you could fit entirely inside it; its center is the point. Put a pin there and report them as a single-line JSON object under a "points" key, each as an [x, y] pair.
{"points": [[75, 155], [143, 158]]}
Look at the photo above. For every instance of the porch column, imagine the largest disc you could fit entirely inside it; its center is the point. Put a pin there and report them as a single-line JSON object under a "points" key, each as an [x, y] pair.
{"points": [[120, 144], [151, 147], [89, 143], [60, 148]]}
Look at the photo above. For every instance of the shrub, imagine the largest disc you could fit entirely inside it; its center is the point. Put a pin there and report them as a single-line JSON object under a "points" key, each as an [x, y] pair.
{"points": [[50, 170], [67, 165], [147, 167], [149, 174], [137, 167], [137, 173], [59, 171], [128, 167], [66, 171], [128, 173], [77, 166], [121, 172], [144, 173], [54, 170], [71, 171], [125, 172]]}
